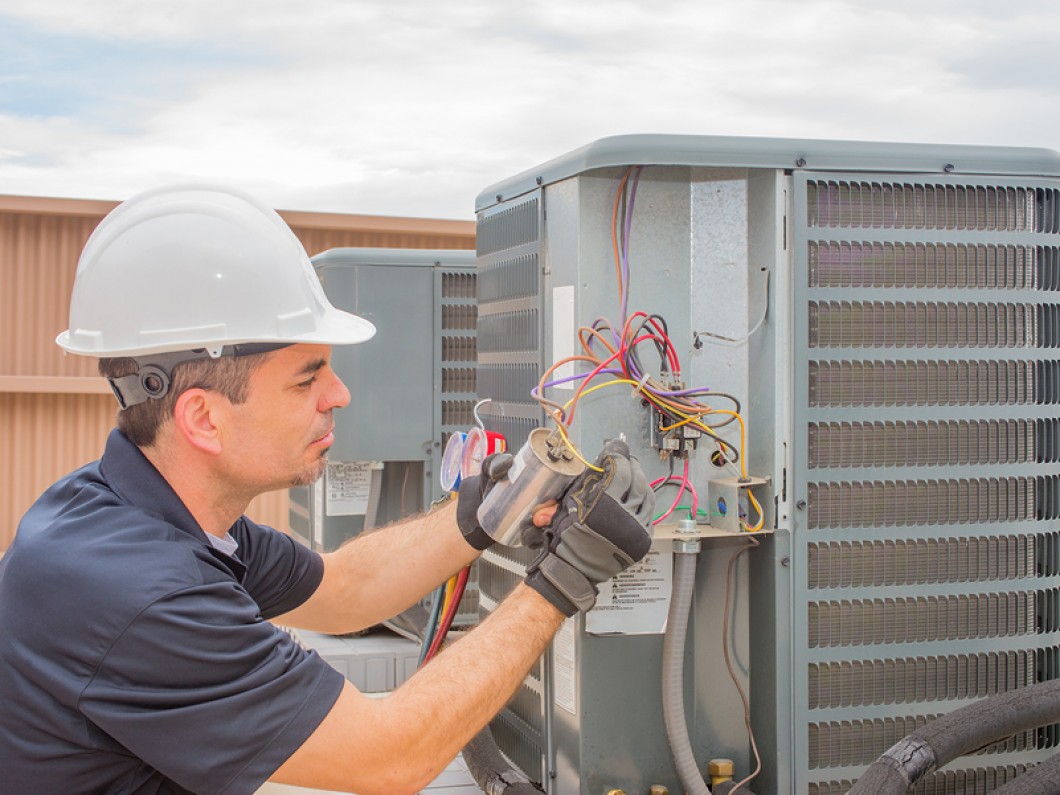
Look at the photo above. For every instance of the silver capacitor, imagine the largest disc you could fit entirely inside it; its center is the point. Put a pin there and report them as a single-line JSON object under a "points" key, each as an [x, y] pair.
{"points": [[542, 470]]}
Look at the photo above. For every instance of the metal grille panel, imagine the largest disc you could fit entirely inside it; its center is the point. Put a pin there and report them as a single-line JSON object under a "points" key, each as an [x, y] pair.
{"points": [[509, 331], [921, 619], [932, 383], [931, 443], [931, 265], [859, 742], [864, 683], [509, 338], [920, 561], [507, 229], [514, 277], [858, 204], [972, 781], [959, 268], [889, 324], [909, 503], [508, 382]]}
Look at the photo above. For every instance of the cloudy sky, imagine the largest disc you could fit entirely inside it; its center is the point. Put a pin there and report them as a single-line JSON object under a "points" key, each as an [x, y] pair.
{"points": [[414, 107]]}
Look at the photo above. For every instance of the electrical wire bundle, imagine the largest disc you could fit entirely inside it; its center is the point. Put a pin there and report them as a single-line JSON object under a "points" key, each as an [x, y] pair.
{"points": [[443, 611], [615, 354]]}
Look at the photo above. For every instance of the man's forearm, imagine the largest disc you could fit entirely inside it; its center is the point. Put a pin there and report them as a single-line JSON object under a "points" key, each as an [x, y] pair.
{"points": [[380, 573], [400, 743]]}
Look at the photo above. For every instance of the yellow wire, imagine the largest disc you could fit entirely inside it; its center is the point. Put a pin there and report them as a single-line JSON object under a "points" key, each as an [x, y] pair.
{"points": [[567, 405], [450, 586], [570, 444], [743, 465], [743, 472], [688, 420]]}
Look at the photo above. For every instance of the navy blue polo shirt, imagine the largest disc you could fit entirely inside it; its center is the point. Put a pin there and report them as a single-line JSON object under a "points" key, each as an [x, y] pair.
{"points": [[135, 657]]}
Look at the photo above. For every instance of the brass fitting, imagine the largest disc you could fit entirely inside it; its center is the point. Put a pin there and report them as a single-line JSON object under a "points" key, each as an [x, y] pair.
{"points": [[720, 770]]}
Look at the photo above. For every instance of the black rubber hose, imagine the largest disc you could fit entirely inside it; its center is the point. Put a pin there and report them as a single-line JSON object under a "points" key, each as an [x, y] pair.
{"points": [[491, 770], [957, 733], [1042, 779]]}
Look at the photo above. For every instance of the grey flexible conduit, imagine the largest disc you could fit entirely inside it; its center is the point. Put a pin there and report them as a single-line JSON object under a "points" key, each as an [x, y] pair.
{"points": [[673, 691], [962, 731]]}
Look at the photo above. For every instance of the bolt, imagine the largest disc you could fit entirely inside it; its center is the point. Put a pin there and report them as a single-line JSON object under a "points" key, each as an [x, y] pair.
{"points": [[800, 162], [801, 505], [948, 168], [785, 561], [539, 180]]}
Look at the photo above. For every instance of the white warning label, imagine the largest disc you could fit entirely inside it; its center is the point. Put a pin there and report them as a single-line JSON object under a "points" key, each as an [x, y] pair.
{"points": [[636, 601], [348, 485]]}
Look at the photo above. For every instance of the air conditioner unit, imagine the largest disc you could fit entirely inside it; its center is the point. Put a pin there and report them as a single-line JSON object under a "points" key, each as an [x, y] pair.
{"points": [[412, 385], [887, 317]]}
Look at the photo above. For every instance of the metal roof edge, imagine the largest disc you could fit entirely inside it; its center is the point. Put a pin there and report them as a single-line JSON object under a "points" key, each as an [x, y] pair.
{"points": [[782, 153]]}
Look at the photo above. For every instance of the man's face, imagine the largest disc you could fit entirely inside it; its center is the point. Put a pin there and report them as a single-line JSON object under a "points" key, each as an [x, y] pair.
{"points": [[279, 437]]}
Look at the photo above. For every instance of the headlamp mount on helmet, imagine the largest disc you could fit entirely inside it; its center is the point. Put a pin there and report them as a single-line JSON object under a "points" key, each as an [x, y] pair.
{"points": [[154, 372]]}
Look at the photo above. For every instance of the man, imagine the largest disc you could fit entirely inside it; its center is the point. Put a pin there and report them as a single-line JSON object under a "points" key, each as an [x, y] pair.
{"points": [[135, 651]]}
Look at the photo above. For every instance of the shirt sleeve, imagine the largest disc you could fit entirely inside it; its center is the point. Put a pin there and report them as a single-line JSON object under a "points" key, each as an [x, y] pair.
{"points": [[207, 693], [281, 573]]}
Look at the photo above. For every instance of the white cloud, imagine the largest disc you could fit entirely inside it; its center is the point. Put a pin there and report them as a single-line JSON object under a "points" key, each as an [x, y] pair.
{"points": [[413, 108]]}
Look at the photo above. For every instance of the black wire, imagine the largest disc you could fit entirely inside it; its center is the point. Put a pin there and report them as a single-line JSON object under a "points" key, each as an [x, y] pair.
{"points": [[633, 363]]}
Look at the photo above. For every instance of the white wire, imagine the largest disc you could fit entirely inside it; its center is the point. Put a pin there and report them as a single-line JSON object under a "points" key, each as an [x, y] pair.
{"points": [[720, 339], [478, 419]]}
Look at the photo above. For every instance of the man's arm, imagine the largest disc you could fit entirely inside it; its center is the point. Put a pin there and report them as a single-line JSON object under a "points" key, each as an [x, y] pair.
{"points": [[400, 743], [382, 572]]}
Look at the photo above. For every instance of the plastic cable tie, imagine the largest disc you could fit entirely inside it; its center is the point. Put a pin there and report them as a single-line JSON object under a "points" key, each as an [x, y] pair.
{"points": [[640, 384]]}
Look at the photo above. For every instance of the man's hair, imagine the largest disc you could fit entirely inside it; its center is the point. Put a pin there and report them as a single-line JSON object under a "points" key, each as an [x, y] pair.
{"points": [[227, 375]]}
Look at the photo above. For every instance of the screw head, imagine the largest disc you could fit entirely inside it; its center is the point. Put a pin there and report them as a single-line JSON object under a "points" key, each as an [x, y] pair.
{"points": [[801, 504]]}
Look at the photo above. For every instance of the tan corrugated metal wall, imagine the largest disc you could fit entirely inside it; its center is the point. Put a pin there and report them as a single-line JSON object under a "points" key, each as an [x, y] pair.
{"points": [[55, 412]]}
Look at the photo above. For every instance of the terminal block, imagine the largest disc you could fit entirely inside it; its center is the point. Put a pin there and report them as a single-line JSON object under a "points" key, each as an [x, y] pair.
{"points": [[668, 436]]}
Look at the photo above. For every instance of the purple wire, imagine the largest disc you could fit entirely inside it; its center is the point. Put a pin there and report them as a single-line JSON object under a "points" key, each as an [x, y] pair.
{"points": [[625, 245], [569, 378]]}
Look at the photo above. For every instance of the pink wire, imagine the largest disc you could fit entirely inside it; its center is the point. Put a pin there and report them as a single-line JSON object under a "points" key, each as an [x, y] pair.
{"points": [[684, 486]]}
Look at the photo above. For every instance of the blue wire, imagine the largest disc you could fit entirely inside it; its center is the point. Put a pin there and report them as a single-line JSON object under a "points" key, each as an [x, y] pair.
{"points": [[432, 624]]}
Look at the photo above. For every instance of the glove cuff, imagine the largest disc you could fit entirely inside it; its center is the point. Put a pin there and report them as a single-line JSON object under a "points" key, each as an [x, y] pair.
{"points": [[468, 501], [562, 585]]}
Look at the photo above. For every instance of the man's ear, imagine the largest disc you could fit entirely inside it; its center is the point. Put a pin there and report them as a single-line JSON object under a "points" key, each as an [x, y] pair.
{"points": [[195, 420]]}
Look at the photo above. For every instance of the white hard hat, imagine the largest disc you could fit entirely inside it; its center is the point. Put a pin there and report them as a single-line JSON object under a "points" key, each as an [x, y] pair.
{"points": [[198, 267]]}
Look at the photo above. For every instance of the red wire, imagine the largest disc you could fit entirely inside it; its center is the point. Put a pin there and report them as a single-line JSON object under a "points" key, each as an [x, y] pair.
{"points": [[585, 381], [450, 613], [683, 485], [662, 337]]}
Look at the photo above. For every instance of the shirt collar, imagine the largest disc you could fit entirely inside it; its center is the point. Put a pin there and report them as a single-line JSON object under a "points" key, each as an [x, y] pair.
{"points": [[135, 479]]}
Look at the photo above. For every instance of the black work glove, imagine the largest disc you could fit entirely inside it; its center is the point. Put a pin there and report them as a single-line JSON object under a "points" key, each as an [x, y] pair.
{"points": [[600, 529], [473, 491]]}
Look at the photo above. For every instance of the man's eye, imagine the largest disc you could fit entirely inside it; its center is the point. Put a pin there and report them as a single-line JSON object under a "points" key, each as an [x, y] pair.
{"points": [[308, 383]]}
